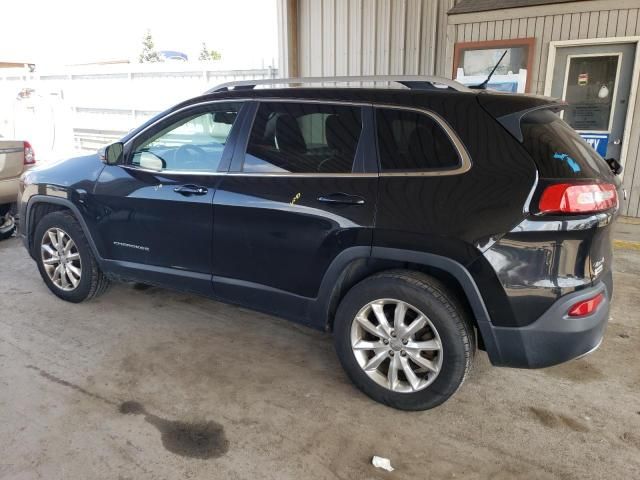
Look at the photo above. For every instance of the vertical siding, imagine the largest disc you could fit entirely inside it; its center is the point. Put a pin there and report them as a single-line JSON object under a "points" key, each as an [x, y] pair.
{"points": [[367, 37]]}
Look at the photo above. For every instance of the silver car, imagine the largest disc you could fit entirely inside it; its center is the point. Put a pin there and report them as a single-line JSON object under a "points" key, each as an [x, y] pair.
{"points": [[16, 156]]}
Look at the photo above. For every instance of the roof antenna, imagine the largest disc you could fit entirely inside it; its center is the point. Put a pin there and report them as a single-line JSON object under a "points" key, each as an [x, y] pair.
{"points": [[483, 85]]}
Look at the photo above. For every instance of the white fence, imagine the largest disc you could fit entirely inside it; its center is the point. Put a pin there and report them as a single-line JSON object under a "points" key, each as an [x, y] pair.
{"points": [[83, 108]]}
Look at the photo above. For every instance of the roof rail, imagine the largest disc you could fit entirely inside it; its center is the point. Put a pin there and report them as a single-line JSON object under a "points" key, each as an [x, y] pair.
{"points": [[417, 82]]}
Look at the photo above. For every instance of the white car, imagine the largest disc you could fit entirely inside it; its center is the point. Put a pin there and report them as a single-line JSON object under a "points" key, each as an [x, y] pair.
{"points": [[16, 156]]}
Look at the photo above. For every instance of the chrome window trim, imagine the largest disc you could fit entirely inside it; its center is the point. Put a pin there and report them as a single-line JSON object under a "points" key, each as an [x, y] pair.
{"points": [[242, 174], [198, 173], [465, 158]]}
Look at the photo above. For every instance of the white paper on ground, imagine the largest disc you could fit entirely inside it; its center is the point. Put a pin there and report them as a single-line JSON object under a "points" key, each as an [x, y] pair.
{"points": [[381, 462]]}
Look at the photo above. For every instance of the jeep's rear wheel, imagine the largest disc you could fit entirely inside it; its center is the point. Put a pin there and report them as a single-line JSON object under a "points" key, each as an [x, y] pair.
{"points": [[65, 260], [404, 340]]}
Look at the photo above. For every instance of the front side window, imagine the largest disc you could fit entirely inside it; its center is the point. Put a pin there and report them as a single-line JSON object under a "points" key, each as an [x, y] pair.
{"points": [[289, 137], [194, 143], [413, 141]]}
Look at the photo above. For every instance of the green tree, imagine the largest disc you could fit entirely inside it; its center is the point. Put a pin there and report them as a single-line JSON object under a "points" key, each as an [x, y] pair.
{"points": [[149, 53], [207, 55]]}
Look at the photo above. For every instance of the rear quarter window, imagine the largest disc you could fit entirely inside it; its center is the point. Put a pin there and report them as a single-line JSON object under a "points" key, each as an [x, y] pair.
{"points": [[413, 141], [558, 150]]}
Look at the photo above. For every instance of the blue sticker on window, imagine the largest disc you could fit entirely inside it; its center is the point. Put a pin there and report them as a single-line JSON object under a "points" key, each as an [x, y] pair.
{"points": [[573, 165]]}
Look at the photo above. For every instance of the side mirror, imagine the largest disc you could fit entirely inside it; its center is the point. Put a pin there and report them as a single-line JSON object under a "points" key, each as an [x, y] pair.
{"points": [[614, 165], [112, 154]]}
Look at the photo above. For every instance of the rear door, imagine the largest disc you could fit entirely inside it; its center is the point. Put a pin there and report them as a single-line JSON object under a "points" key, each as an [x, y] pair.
{"points": [[301, 192]]}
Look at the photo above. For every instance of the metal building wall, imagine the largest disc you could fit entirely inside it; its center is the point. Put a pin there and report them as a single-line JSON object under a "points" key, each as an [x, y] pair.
{"points": [[579, 20], [372, 37]]}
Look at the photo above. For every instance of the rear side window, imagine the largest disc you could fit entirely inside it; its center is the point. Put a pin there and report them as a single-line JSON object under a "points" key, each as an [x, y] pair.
{"points": [[413, 141], [556, 148], [289, 137]]}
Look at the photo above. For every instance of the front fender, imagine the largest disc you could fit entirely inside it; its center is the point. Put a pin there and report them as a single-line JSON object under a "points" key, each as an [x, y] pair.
{"points": [[27, 227]]}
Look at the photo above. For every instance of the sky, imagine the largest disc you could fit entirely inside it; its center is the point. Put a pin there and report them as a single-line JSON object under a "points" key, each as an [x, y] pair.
{"points": [[63, 32]]}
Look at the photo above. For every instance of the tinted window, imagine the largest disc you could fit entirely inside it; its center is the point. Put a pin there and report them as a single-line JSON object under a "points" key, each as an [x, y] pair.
{"points": [[190, 144], [413, 141], [303, 138], [559, 152]]}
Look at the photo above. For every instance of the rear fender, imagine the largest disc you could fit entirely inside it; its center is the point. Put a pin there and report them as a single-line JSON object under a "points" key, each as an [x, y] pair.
{"points": [[351, 259]]}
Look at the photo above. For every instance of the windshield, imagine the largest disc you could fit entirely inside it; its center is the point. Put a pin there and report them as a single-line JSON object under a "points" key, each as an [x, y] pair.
{"points": [[558, 150]]}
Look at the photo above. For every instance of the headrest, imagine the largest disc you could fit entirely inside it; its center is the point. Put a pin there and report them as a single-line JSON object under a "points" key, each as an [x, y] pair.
{"points": [[288, 135]]}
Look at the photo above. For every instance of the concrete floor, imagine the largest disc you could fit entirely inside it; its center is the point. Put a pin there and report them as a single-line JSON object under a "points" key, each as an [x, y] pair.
{"points": [[113, 388]]}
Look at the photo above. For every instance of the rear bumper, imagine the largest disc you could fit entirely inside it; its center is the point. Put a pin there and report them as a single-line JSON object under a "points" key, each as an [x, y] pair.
{"points": [[555, 337]]}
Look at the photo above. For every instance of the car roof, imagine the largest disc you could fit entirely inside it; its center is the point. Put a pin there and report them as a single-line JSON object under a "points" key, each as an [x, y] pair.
{"points": [[438, 99]]}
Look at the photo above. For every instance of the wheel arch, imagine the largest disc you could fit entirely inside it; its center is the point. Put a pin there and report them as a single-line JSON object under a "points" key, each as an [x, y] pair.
{"points": [[41, 205], [347, 271]]}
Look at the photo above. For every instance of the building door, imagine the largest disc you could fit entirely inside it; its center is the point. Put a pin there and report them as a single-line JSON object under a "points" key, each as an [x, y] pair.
{"points": [[596, 82]]}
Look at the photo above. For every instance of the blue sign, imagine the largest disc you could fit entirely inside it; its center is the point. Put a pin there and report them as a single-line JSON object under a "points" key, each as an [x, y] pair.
{"points": [[507, 86], [599, 141]]}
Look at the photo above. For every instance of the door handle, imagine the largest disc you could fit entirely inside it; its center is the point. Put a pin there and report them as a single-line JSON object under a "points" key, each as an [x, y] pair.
{"points": [[191, 190], [341, 199]]}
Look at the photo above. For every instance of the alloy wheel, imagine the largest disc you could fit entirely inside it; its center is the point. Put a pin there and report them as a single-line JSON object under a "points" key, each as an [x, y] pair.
{"points": [[396, 345], [61, 259]]}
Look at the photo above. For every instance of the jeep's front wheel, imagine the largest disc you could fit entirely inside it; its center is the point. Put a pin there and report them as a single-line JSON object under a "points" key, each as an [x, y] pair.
{"points": [[65, 260], [404, 339]]}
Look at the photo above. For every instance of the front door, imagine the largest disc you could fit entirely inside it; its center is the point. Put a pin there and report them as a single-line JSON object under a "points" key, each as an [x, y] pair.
{"points": [[298, 198], [596, 82], [156, 210]]}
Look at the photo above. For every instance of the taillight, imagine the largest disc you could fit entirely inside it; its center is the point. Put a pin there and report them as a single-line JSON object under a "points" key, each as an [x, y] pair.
{"points": [[572, 198], [29, 154], [585, 307]]}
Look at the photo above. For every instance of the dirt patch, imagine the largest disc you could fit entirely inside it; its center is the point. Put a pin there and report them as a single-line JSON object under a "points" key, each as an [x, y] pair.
{"points": [[579, 371], [631, 438], [556, 420], [195, 440]]}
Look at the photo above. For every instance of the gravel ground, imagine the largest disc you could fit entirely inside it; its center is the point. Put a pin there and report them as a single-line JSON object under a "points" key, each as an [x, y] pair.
{"points": [[153, 384]]}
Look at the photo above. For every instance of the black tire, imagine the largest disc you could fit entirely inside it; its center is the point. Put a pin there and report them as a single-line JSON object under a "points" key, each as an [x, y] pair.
{"points": [[93, 282], [446, 314], [7, 226]]}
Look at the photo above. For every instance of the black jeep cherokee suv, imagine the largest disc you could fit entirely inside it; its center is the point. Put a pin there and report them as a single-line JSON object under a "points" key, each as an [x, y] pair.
{"points": [[415, 223]]}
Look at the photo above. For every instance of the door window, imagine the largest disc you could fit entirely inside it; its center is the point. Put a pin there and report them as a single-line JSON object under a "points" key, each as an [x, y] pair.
{"points": [[590, 91], [412, 141], [292, 137], [194, 143]]}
